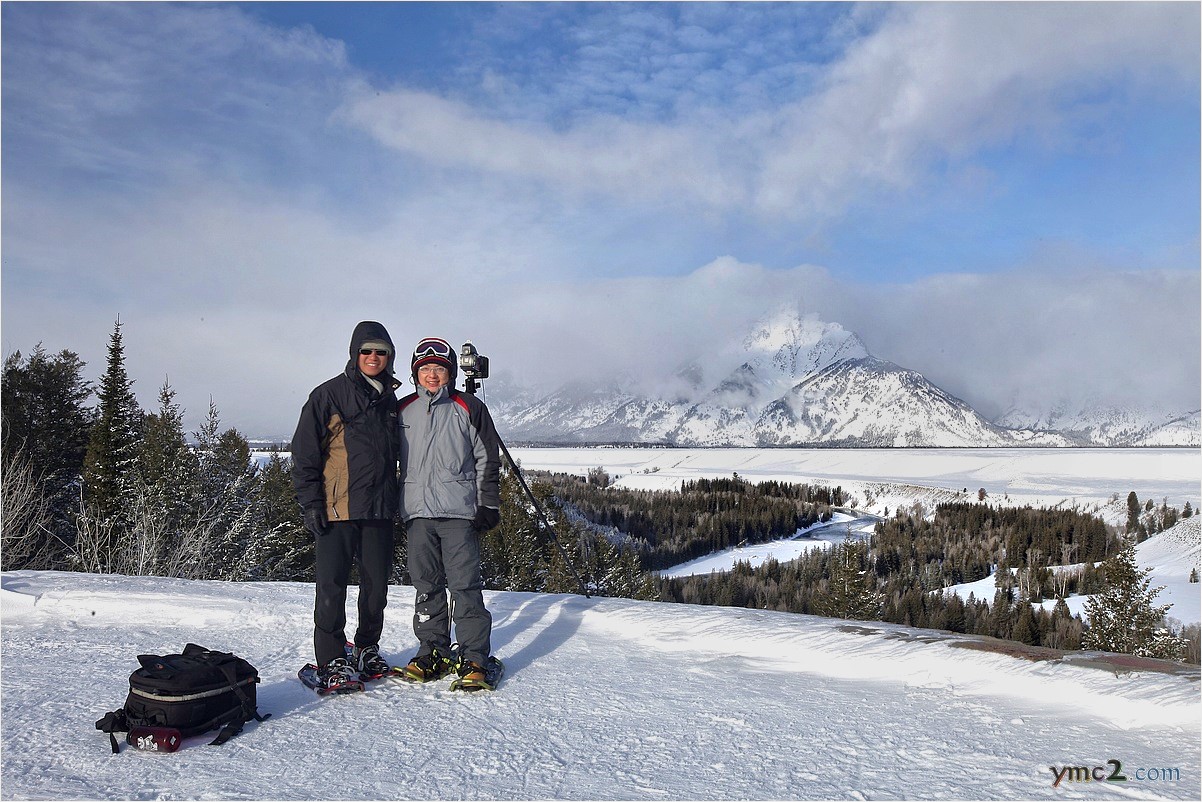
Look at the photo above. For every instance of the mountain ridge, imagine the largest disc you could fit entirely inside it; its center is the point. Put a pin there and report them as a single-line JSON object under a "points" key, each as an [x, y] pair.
{"points": [[801, 381]]}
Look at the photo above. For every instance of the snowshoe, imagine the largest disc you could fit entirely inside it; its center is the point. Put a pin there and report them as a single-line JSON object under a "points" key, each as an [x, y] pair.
{"points": [[368, 661], [425, 668], [475, 677], [337, 677]]}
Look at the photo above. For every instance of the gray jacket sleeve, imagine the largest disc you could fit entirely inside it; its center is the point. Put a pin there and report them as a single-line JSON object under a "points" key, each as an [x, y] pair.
{"points": [[486, 444]]}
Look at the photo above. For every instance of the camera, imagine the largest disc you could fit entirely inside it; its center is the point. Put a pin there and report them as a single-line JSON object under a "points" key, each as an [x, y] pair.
{"points": [[474, 366]]}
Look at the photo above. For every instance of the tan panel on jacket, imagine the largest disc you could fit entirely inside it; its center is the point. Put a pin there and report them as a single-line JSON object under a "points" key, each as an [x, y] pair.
{"points": [[336, 473]]}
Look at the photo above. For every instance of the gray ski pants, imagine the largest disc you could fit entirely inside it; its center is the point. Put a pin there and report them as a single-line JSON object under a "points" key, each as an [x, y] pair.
{"points": [[444, 555]]}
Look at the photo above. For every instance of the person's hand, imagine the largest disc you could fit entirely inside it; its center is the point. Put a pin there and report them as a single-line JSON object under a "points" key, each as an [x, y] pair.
{"points": [[486, 518], [316, 521]]}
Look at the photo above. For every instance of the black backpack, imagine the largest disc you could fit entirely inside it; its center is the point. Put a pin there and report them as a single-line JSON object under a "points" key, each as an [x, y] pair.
{"points": [[192, 692]]}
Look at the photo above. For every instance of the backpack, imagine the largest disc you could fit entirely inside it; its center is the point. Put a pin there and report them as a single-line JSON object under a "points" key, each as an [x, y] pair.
{"points": [[190, 693]]}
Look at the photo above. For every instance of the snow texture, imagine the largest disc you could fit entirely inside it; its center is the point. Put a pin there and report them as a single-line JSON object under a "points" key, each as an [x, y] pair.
{"points": [[603, 699]]}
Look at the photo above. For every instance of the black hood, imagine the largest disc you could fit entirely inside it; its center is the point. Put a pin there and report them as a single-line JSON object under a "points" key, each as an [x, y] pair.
{"points": [[367, 331]]}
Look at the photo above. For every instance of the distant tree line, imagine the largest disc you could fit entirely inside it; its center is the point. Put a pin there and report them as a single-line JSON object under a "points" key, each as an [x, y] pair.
{"points": [[668, 527], [902, 578], [901, 573]]}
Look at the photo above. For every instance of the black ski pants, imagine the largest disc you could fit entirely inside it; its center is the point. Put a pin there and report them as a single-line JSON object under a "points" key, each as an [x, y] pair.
{"points": [[369, 546]]}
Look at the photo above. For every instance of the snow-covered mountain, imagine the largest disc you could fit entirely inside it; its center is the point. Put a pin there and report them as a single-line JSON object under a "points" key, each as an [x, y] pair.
{"points": [[796, 381], [1108, 425]]}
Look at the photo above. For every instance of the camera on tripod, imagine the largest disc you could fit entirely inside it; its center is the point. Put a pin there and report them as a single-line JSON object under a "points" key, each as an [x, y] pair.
{"points": [[474, 366]]}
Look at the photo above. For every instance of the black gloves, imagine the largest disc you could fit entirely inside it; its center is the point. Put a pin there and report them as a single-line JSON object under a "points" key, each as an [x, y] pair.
{"points": [[316, 521], [486, 518]]}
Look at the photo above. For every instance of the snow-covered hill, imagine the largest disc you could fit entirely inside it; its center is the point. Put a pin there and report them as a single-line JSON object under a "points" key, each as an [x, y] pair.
{"points": [[793, 380], [604, 699], [1109, 425], [1169, 555]]}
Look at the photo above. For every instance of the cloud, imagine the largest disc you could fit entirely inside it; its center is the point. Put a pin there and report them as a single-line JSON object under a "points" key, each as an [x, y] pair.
{"points": [[610, 156], [940, 82], [931, 83], [242, 196], [132, 94], [1035, 334], [1045, 332], [249, 299]]}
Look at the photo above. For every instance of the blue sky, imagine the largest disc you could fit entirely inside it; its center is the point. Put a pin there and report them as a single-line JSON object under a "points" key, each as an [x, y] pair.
{"points": [[566, 183]]}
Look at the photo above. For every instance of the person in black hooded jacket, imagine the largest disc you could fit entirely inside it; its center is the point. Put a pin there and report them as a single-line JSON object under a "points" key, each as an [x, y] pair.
{"points": [[344, 470]]}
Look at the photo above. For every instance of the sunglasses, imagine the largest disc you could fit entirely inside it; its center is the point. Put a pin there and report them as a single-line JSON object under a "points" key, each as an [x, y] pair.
{"points": [[376, 351], [433, 347]]}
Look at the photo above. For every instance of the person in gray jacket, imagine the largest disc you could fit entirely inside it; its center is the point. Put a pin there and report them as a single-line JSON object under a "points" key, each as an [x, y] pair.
{"points": [[450, 495]]}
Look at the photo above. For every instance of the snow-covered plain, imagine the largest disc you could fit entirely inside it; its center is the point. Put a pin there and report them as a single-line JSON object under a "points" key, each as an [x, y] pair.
{"points": [[883, 478], [604, 699], [617, 699]]}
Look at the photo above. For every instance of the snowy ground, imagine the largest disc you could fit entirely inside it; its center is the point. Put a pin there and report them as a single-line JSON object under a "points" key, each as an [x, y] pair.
{"points": [[884, 478], [604, 699]]}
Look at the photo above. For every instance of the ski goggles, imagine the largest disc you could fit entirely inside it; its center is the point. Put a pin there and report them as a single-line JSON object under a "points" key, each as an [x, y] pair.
{"points": [[155, 739], [433, 346]]}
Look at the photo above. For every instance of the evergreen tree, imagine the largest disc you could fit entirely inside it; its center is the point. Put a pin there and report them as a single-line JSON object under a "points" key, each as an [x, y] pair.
{"points": [[45, 434], [110, 462], [281, 548], [851, 589], [167, 468], [227, 487], [513, 554], [170, 530], [1124, 616], [1134, 526], [43, 414], [1026, 629]]}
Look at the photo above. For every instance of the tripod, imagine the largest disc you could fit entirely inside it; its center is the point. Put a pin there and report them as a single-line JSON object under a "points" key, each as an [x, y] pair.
{"points": [[471, 385]]}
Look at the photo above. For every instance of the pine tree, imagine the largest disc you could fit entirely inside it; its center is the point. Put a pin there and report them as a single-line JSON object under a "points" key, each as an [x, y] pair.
{"points": [[1124, 617], [1025, 627], [170, 531], [167, 468], [851, 588], [227, 487], [282, 549], [111, 459], [1133, 510], [514, 555], [43, 413], [45, 436]]}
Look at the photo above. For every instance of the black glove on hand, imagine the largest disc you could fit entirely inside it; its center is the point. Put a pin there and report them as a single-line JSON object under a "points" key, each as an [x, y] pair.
{"points": [[316, 521], [486, 518]]}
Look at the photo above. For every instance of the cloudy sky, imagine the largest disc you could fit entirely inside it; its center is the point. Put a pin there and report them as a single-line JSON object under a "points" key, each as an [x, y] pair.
{"points": [[1004, 197]]}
